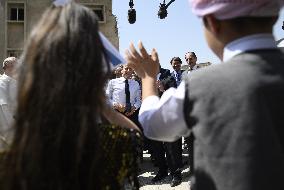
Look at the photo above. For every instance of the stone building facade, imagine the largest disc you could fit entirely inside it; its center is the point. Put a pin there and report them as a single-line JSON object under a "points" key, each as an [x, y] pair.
{"points": [[17, 18]]}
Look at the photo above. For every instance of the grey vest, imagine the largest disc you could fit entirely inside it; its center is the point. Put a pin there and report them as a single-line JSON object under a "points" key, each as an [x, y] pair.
{"points": [[236, 113]]}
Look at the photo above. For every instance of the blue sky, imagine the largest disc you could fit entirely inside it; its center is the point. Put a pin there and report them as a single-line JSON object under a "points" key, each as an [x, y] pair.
{"points": [[178, 33]]}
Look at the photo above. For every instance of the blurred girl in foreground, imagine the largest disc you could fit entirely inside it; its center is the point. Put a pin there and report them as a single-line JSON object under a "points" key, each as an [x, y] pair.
{"points": [[65, 136]]}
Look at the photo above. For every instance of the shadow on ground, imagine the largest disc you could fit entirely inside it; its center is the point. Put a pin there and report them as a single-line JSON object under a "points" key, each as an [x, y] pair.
{"points": [[148, 171]]}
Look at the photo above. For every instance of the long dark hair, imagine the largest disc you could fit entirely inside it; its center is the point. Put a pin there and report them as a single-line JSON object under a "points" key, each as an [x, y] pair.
{"points": [[60, 97]]}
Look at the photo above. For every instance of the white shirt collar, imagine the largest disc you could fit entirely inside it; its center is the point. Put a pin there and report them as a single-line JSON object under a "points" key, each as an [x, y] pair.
{"points": [[6, 77], [251, 42], [158, 76], [194, 68], [176, 72], [124, 79], [281, 43]]}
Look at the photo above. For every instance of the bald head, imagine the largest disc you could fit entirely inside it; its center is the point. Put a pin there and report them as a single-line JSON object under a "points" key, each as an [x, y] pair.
{"points": [[191, 59], [9, 65]]}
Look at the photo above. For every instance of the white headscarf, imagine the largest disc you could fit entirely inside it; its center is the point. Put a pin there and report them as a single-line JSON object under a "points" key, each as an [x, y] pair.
{"points": [[227, 9]]}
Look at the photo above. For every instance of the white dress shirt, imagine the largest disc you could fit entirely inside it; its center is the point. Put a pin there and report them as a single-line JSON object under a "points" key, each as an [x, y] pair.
{"points": [[163, 118], [193, 69], [188, 71], [8, 90], [116, 92]]}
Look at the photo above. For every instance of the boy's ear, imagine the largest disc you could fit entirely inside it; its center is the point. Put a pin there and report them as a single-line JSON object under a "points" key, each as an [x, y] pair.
{"points": [[212, 24]]}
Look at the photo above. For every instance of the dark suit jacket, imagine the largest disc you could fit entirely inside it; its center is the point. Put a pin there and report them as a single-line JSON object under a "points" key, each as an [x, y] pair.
{"points": [[167, 80], [164, 73], [173, 75], [236, 113]]}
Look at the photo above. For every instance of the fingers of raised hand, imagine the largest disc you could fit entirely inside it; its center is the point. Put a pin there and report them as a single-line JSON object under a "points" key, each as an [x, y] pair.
{"points": [[134, 52], [143, 51], [129, 57], [155, 56], [132, 61]]}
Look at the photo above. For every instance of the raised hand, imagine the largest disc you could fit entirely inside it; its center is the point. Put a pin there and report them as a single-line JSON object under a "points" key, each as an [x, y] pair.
{"points": [[146, 67], [144, 64]]}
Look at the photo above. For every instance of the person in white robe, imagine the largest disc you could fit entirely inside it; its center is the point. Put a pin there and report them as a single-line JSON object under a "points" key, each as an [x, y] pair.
{"points": [[8, 89]]}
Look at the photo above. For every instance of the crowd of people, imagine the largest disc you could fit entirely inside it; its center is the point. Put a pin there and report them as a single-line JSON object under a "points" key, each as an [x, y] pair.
{"points": [[70, 119], [124, 95]]}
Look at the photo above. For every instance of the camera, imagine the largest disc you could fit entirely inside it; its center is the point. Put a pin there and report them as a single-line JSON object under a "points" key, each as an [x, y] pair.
{"points": [[162, 13], [131, 16]]}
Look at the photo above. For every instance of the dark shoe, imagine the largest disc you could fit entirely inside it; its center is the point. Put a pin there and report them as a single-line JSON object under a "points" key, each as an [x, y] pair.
{"points": [[160, 175], [176, 180]]}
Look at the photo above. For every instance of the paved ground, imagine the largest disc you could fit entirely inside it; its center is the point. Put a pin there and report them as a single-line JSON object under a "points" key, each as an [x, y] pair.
{"points": [[148, 171]]}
